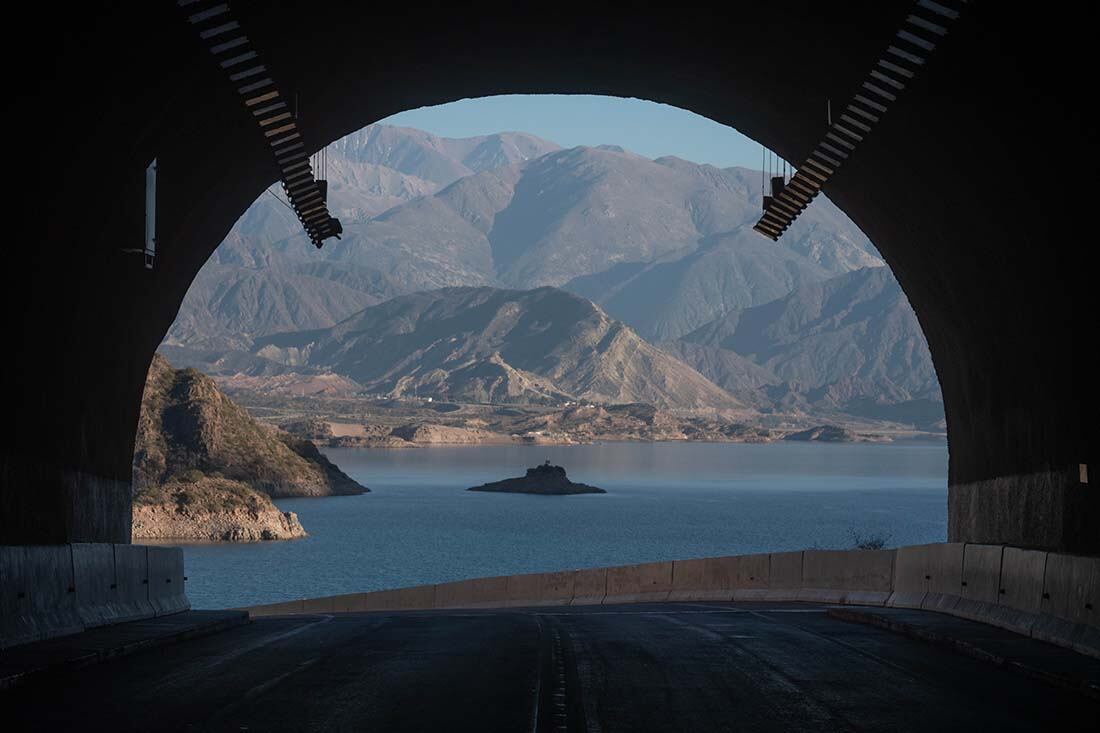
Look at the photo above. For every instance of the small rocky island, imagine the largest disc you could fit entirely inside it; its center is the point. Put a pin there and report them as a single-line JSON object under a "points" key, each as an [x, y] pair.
{"points": [[546, 480]]}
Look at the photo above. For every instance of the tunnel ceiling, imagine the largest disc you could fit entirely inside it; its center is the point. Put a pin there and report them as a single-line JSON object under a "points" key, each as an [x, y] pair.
{"points": [[953, 187]]}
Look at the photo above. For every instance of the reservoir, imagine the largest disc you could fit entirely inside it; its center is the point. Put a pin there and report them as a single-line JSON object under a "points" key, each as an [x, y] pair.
{"points": [[665, 501]]}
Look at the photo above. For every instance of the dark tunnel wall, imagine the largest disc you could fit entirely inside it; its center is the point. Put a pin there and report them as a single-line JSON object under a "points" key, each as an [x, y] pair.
{"points": [[955, 187]]}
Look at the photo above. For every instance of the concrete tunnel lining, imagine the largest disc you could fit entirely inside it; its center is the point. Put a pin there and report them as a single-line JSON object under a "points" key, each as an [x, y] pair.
{"points": [[988, 260]]}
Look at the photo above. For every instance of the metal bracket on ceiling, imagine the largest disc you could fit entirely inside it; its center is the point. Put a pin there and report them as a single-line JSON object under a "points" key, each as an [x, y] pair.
{"points": [[239, 60], [923, 29]]}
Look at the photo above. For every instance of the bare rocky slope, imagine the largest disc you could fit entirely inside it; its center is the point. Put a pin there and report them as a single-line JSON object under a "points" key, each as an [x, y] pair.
{"points": [[204, 469], [501, 346], [851, 342], [208, 509], [663, 245]]}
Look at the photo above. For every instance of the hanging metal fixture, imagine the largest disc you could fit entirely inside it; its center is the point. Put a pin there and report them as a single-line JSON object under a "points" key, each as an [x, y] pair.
{"points": [[260, 96], [906, 54]]}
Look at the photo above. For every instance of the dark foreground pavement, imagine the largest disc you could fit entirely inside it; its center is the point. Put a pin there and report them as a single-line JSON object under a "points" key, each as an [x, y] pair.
{"points": [[21, 664], [658, 667]]}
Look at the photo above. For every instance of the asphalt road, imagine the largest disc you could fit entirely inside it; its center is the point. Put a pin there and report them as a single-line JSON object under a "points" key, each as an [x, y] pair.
{"points": [[659, 667]]}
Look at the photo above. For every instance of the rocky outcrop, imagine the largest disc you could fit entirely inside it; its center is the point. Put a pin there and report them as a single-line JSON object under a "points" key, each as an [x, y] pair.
{"points": [[429, 434], [211, 510], [545, 480], [204, 469], [310, 428], [834, 434], [187, 424]]}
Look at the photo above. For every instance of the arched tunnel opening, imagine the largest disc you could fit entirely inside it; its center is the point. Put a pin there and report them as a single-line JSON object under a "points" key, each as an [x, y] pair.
{"points": [[952, 187], [446, 238], [1016, 451]]}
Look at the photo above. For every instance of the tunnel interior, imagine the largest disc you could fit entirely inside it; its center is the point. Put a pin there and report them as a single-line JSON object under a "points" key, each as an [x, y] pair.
{"points": [[953, 188]]}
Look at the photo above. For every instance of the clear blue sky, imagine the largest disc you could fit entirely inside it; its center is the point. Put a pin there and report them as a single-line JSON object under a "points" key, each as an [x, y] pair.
{"points": [[647, 128]]}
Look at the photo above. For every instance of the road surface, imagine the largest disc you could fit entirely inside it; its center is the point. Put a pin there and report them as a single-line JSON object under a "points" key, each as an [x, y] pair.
{"points": [[656, 667]]}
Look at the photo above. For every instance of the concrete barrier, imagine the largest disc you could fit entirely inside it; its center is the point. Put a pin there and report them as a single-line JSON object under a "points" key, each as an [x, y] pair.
{"points": [[1071, 589], [540, 589], [286, 608], [944, 573], [349, 603], [910, 577], [1022, 574], [322, 605], [476, 593], [688, 580], [1052, 597], [981, 581], [928, 576], [166, 591], [131, 577], [719, 578], [1070, 608], [589, 587], [753, 577], [39, 599], [415, 598], [53, 590], [704, 579], [96, 584], [862, 577], [383, 600], [639, 583], [784, 576], [999, 585], [1020, 591]]}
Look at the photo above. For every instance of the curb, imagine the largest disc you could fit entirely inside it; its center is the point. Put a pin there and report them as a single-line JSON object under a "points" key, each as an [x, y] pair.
{"points": [[1086, 687], [83, 659]]}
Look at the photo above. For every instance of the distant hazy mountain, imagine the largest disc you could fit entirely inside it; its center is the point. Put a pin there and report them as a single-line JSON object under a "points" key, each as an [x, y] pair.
{"points": [[734, 373], [266, 277], [851, 342], [438, 159], [664, 245], [492, 345], [674, 295], [226, 304]]}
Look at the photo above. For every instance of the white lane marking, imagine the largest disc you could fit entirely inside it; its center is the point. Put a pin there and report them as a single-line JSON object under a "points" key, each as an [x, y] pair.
{"points": [[256, 691], [265, 686], [538, 679]]}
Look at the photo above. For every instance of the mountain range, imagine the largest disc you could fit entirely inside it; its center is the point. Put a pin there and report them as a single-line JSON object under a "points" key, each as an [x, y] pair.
{"points": [[503, 346], [846, 343], [452, 238], [663, 245]]}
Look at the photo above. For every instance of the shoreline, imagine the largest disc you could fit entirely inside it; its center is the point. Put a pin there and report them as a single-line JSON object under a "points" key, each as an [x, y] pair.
{"points": [[929, 440], [192, 542], [370, 422]]}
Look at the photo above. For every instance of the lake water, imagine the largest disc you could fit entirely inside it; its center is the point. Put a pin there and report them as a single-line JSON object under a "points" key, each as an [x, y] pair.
{"points": [[665, 501]]}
